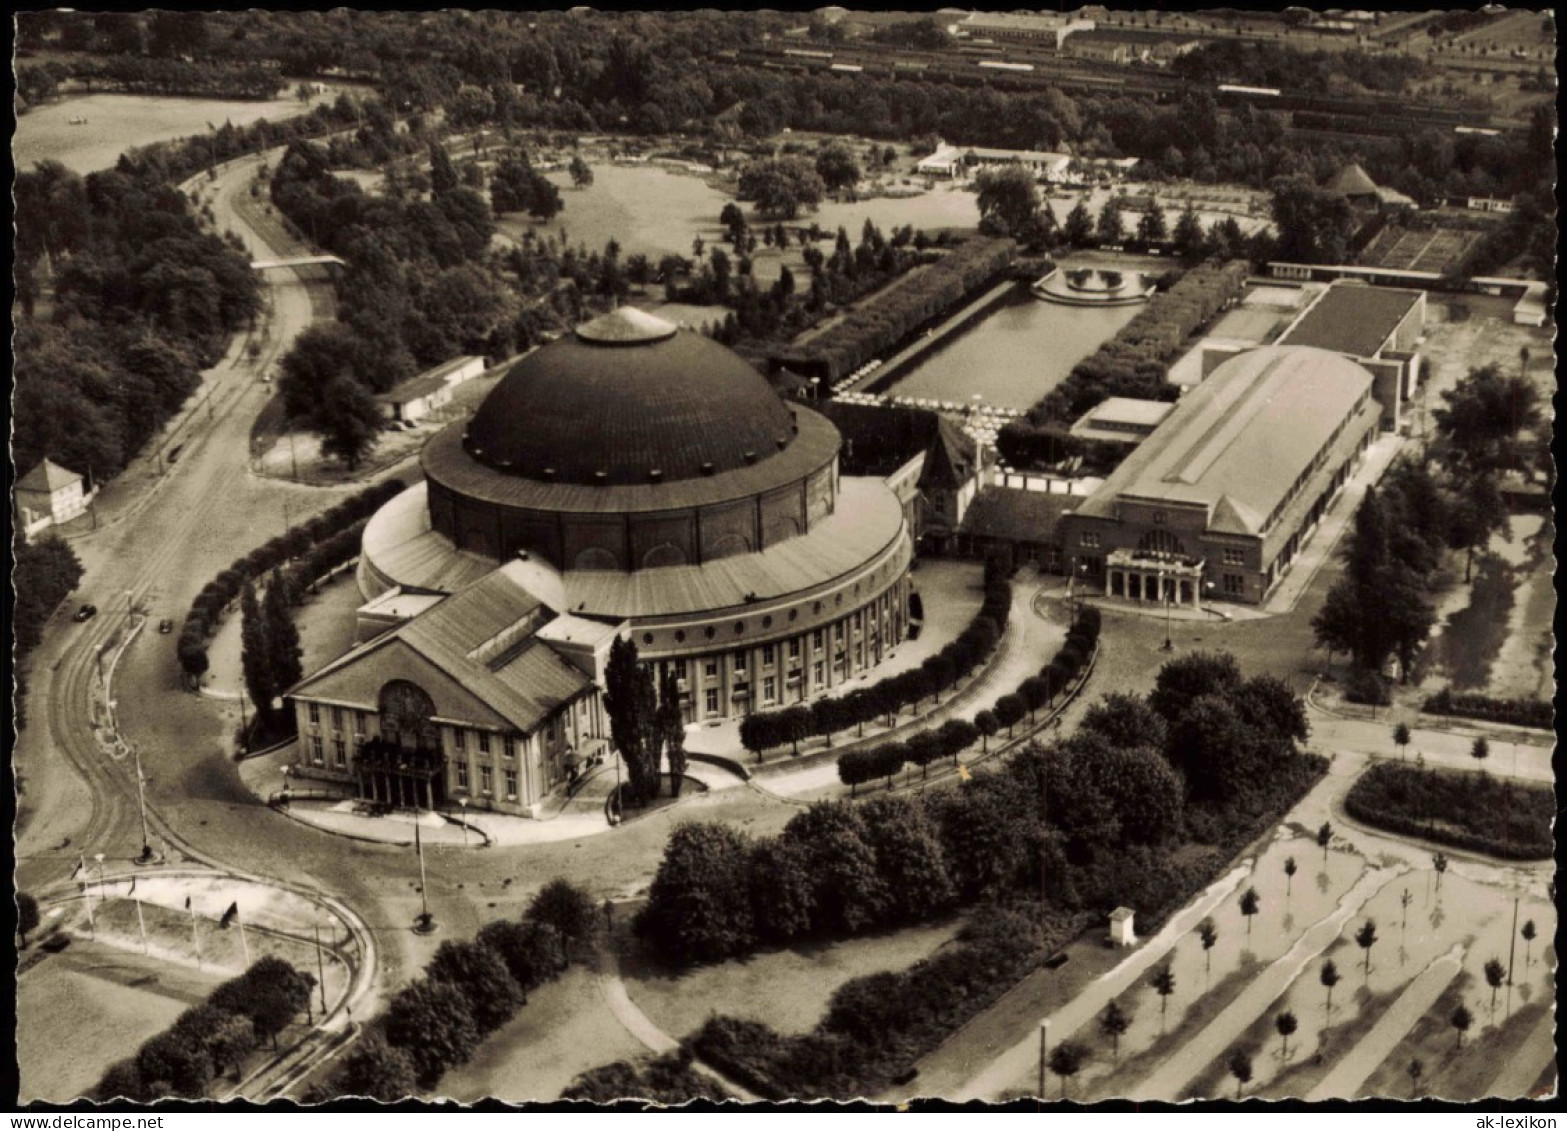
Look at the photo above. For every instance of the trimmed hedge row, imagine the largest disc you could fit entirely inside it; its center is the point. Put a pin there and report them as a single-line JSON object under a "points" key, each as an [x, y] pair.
{"points": [[856, 767], [1133, 363], [886, 697], [323, 543], [886, 319], [1519, 712], [1501, 819]]}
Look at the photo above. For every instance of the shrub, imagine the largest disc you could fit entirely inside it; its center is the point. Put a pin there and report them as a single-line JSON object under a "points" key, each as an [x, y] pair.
{"points": [[699, 907], [566, 907], [1362, 686], [1538, 713], [1466, 811]]}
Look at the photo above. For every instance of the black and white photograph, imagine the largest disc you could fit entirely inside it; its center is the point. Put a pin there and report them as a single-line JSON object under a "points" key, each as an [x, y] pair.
{"points": [[712, 559]]}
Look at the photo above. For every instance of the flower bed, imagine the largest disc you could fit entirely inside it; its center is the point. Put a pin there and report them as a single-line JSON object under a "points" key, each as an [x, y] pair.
{"points": [[1469, 811]]}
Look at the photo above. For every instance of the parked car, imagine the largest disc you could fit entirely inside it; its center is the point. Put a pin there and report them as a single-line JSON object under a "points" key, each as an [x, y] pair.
{"points": [[165, 626], [86, 612]]}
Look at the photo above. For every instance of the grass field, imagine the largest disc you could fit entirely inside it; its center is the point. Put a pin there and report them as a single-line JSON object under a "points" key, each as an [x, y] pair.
{"points": [[88, 1007], [117, 122], [786, 989]]}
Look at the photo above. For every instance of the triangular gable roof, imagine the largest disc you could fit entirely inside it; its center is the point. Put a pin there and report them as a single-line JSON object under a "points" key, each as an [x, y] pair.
{"points": [[357, 678], [950, 459], [46, 478], [1230, 517], [1352, 180]]}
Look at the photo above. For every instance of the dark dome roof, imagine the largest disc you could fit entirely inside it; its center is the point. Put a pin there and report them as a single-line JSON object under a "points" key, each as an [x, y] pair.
{"points": [[628, 398]]}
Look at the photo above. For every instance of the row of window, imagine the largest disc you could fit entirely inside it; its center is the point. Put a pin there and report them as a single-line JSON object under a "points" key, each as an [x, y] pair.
{"points": [[485, 739], [337, 718], [487, 780]]}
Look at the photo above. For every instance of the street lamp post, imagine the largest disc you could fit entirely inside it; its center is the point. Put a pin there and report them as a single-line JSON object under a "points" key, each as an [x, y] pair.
{"points": [[141, 801], [1168, 645], [463, 802], [102, 897]]}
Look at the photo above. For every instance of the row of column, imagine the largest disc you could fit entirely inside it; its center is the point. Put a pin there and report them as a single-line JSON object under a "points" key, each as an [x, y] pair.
{"points": [[1139, 585], [395, 789]]}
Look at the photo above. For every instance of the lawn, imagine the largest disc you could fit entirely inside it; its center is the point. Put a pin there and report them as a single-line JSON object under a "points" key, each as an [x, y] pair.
{"points": [[84, 1009], [117, 122], [785, 989]]}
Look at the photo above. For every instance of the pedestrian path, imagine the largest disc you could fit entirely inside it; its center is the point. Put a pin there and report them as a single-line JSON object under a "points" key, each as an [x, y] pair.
{"points": [[1352, 1069], [1529, 1063], [1170, 1080], [1014, 1064]]}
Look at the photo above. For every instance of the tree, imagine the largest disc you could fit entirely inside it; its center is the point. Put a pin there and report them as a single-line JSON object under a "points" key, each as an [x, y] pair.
{"points": [[121, 1080], [987, 724], [781, 891], [1461, 1020], [533, 952], [255, 653], [1164, 985], [1066, 1059], [1208, 933], [1527, 931], [1078, 227], [1480, 750], [781, 187], [1401, 738], [432, 1022], [581, 172], [1239, 1064], [1008, 203], [568, 908], [1329, 978], [699, 907], [1126, 721], [230, 1041], [1325, 838], [443, 174], [347, 419], [1286, 1024], [837, 168], [284, 652], [1113, 1022], [672, 730], [175, 1060], [375, 1069], [1188, 237], [848, 890], [1416, 1069], [1477, 512], [1110, 228], [1439, 863], [1314, 225], [27, 917], [1495, 975], [1187, 678], [1010, 710], [1250, 904], [909, 858], [271, 993], [1289, 876], [1151, 225], [1481, 418], [632, 706], [1365, 939], [480, 975]]}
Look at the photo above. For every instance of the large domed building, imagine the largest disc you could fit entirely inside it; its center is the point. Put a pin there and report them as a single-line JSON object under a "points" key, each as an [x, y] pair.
{"points": [[629, 478]]}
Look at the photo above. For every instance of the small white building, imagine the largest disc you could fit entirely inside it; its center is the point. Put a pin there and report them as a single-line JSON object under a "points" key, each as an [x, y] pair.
{"points": [[958, 162], [417, 397], [1121, 932], [49, 495]]}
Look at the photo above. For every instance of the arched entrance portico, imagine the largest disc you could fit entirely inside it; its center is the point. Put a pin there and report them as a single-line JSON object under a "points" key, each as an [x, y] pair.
{"points": [[405, 766]]}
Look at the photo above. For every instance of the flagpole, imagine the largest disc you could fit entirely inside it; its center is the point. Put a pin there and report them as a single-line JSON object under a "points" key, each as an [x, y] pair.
{"points": [[195, 938], [320, 969], [142, 924], [244, 945], [92, 928], [426, 923]]}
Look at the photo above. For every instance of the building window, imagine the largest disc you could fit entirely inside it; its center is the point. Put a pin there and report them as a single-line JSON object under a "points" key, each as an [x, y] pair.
{"points": [[315, 749], [459, 738], [680, 669], [816, 640], [816, 673], [509, 746], [487, 778], [769, 689], [315, 712], [712, 701], [359, 722], [1090, 539], [837, 632], [484, 742], [337, 718], [1234, 557], [340, 752], [511, 785], [710, 669], [462, 775], [1234, 584], [794, 650], [740, 661], [769, 655]]}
